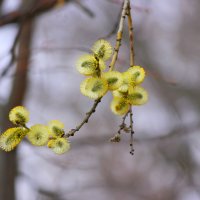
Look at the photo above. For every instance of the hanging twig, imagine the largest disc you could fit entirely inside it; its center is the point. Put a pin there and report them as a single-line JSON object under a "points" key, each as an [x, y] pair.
{"points": [[114, 58], [119, 35], [12, 52], [16, 16], [89, 12], [131, 35], [132, 63], [85, 120], [132, 132]]}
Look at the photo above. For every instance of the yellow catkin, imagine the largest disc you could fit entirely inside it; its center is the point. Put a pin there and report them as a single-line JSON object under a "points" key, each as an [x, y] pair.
{"points": [[138, 96], [113, 78], [102, 49], [102, 65], [137, 74], [38, 135], [119, 94], [59, 145], [87, 64], [11, 138], [119, 106], [19, 115], [56, 128], [126, 82], [94, 88]]}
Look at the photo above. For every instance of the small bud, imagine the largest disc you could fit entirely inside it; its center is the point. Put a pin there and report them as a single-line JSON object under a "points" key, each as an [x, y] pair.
{"points": [[116, 138]]}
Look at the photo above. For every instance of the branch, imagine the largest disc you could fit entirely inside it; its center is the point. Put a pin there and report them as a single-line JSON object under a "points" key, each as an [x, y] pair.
{"points": [[132, 131], [89, 12], [119, 35], [114, 59], [131, 35], [8, 162], [17, 16], [114, 29], [85, 120], [12, 52], [122, 126]]}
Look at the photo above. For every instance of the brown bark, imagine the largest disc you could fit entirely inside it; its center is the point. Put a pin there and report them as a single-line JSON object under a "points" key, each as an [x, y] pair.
{"points": [[16, 16], [8, 161]]}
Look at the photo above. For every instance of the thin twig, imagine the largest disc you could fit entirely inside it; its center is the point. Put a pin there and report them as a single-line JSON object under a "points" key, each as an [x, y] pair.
{"points": [[119, 35], [114, 58], [132, 132], [123, 124], [89, 12], [131, 35], [40, 7], [114, 29], [85, 120], [12, 52], [132, 62]]}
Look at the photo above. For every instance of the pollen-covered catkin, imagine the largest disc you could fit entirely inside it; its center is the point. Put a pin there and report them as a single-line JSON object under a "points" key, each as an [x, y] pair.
{"points": [[56, 128], [11, 138], [119, 106], [94, 88], [113, 78], [59, 145], [19, 115], [38, 135], [102, 49], [137, 74], [138, 96]]}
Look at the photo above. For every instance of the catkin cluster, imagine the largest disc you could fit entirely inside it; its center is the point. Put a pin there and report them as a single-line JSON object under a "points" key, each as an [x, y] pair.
{"points": [[51, 135], [125, 88], [123, 85]]}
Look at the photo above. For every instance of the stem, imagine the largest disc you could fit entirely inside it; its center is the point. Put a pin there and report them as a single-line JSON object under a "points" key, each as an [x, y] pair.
{"points": [[131, 38], [132, 131], [85, 120], [26, 127], [131, 35], [119, 35], [112, 64], [122, 125], [12, 52]]}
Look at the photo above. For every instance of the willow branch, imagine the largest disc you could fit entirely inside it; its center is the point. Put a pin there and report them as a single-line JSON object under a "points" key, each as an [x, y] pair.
{"points": [[114, 58], [122, 126], [85, 120], [119, 35], [89, 12], [132, 131], [114, 29], [16, 16], [131, 35], [12, 52]]}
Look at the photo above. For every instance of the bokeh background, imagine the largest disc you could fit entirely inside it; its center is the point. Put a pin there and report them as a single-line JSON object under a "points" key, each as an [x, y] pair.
{"points": [[38, 53]]}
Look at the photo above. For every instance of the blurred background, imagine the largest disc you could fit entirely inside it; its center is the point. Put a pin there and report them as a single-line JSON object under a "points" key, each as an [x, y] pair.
{"points": [[40, 41]]}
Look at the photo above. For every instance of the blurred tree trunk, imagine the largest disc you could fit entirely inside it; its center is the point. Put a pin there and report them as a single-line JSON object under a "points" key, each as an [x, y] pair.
{"points": [[8, 161], [1, 2]]}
